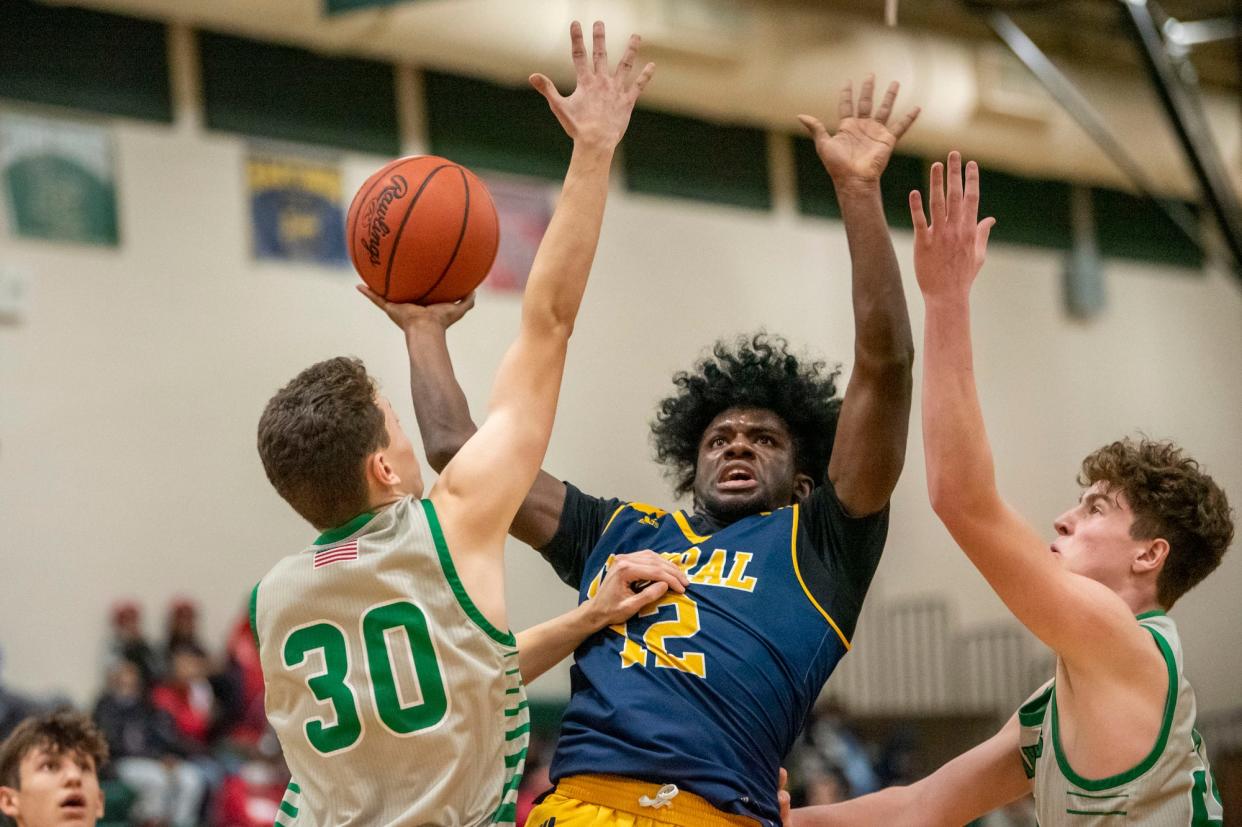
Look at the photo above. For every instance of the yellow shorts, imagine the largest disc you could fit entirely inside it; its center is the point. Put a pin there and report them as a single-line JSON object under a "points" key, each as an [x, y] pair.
{"points": [[598, 800]]}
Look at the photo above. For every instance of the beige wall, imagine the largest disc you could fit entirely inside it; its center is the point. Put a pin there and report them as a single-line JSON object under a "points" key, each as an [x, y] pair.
{"points": [[129, 395]]}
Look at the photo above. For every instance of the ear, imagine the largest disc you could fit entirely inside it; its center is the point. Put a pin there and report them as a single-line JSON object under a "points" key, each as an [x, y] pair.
{"points": [[803, 486], [9, 798], [378, 469], [1152, 557]]}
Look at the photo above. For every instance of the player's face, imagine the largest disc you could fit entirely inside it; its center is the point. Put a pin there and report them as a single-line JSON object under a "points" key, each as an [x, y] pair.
{"points": [[746, 464], [57, 788], [1093, 537], [400, 453]]}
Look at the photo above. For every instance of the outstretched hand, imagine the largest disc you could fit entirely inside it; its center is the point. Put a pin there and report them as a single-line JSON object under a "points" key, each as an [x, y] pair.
{"points": [[949, 253], [859, 151], [407, 314], [598, 111]]}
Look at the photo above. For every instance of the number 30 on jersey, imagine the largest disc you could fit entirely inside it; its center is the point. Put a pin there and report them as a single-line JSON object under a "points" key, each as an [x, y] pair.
{"points": [[331, 684]]}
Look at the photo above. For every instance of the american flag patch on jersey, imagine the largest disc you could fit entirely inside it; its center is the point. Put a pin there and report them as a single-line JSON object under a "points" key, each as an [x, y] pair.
{"points": [[337, 554]]}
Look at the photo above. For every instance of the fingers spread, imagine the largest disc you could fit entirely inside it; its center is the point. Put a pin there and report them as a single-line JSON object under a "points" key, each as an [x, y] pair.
{"points": [[644, 77], [864, 97], [916, 213], [599, 49], [627, 59], [577, 48], [899, 128], [845, 108], [544, 86], [936, 194], [955, 185], [814, 126], [886, 105], [970, 205], [981, 237]]}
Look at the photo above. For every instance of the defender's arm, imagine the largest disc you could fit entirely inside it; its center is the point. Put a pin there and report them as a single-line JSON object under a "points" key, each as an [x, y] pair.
{"points": [[870, 444], [445, 423], [490, 476], [977, 782], [1082, 620], [633, 582]]}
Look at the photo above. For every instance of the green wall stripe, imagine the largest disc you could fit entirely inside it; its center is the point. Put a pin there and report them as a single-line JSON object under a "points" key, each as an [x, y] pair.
{"points": [[690, 158], [84, 60], [271, 91]]}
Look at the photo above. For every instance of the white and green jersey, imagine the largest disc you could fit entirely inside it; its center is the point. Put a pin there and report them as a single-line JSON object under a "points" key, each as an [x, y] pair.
{"points": [[1171, 787], [395, 701]]}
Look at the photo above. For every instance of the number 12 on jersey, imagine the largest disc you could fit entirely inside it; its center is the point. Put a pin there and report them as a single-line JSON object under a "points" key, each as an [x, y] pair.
{"points": [[331, 684]]}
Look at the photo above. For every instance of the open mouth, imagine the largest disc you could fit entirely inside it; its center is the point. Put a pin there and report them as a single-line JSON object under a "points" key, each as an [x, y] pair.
{"points": [[73, 806], [736, 478]]}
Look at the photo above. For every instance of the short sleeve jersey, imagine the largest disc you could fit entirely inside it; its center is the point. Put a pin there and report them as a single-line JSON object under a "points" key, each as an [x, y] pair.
{"points": [[710, 689]]}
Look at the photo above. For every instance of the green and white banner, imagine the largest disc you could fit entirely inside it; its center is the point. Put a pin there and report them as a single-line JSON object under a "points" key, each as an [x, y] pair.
{"points": [[59, 180]]}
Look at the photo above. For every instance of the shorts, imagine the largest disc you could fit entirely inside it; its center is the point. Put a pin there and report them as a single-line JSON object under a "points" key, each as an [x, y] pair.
{"points": [[597, 800]]}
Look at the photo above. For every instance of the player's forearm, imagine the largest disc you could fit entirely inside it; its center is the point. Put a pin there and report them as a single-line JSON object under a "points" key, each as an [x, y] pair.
{"points": [[883, 343], [891, 807], [559, 273], [961, 478], [440, 406], [543, 646]]}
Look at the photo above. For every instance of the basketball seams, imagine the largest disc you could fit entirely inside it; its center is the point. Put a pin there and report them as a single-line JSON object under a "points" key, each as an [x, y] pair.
{"points": [[396, 239], [461, 235]]}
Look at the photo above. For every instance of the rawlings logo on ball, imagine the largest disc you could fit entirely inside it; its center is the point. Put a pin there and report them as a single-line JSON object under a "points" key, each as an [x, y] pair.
{"points": [[374, 214]]}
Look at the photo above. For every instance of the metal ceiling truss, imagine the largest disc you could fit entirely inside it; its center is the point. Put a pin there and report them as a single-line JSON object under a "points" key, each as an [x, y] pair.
{"points": [[1165, 45]]}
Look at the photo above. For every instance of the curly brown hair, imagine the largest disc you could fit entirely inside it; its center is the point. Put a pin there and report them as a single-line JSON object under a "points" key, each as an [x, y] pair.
{"points": [[1173, 499], [59, 732], [314, 437]]}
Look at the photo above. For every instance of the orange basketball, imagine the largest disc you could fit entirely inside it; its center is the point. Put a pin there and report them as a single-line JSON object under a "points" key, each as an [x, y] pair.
{"points": [[422, 229]]}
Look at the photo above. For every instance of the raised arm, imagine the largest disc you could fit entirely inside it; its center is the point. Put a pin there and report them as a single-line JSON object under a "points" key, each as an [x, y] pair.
{"points": [[443, 415], [975, 783], [480, 489], [1082, 620], [870, 445]]}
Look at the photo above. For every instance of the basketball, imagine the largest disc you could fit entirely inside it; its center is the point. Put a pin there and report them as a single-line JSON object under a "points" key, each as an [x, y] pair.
{"points": [[422, 229]]}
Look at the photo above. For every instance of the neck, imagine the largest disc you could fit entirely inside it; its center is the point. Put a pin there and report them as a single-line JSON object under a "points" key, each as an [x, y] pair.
{"points": [[1141, 598]]}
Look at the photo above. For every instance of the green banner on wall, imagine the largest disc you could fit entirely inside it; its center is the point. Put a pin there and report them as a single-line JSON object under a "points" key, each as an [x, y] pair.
{"points": [[339, 6], [58, 178]]}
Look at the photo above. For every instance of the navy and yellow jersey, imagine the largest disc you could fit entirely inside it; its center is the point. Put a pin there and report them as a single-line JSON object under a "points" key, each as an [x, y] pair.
{"points": [[709, 690]]}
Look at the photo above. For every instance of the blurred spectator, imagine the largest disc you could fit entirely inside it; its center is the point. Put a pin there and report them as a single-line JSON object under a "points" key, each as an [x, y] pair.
{"points": [[240, 685], [837, 750], [826, 787], [182, 628], [129, 643], [187, 696], [145, 749], [251, 796]]}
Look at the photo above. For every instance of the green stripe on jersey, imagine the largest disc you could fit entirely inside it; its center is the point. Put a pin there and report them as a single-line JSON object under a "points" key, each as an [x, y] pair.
{"points": [[517, 732], [288, 809], [450, 574]]}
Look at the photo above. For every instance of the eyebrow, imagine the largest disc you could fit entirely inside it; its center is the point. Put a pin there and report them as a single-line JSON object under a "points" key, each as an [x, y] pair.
{"points": [[1095, 496]]}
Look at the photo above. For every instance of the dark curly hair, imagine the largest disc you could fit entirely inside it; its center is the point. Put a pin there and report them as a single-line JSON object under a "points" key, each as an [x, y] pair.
{"points": [[315, 434], [752, 371], [63, 731], [1172, 499]]}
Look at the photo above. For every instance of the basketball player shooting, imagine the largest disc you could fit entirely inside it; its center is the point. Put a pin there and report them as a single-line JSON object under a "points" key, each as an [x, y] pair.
{"points": [[395, 691], [683, 714], [1110, 739]]}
